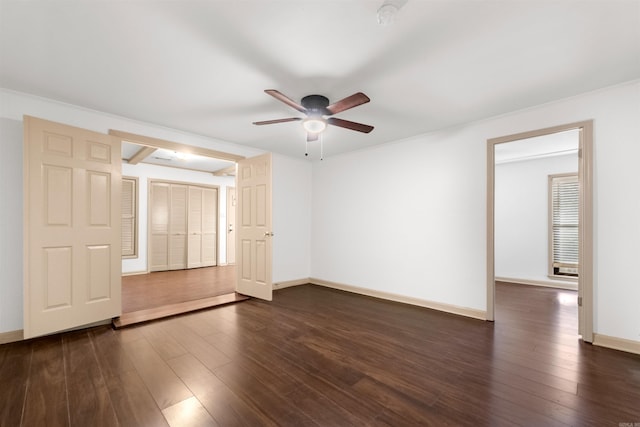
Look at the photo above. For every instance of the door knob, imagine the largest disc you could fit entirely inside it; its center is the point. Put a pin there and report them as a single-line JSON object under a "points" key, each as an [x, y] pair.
{"points": [[268, 233]]}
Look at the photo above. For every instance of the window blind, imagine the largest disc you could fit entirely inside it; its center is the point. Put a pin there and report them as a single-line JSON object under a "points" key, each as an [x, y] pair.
{"points": [[128, 217], [565, 191]]}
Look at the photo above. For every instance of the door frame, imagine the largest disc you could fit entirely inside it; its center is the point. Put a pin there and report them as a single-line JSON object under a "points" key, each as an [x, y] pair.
{"points": [[585, 227], [148, 141], [233, 224]]}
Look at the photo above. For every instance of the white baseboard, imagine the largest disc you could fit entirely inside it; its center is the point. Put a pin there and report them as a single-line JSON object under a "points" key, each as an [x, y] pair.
{"points": [[290, 283], [454, 309], [12, 336], [615, 343], [546, 283]]}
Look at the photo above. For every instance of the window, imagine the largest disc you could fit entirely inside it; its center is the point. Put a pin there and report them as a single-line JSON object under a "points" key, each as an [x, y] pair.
{"points": [[129, 217], [564, 198]]}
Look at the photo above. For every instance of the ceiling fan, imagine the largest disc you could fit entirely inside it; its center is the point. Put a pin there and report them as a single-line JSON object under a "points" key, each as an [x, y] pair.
{"points": [[316, 107]]}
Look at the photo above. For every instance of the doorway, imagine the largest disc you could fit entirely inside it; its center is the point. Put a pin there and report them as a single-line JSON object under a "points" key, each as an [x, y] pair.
{"points": [[585, 229], [196, 270]]}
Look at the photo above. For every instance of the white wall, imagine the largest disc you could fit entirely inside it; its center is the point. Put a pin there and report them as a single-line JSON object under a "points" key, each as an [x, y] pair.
{"points": [[522, 216], [291, 218], [11, 224], [144, 172], [409, 217], [406, 218], [291, 211]]}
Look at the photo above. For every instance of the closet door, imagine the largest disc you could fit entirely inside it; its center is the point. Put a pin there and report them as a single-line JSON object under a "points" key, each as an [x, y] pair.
{"points": [[195, 228], [209, 226], [178, 227], [159, 226]]}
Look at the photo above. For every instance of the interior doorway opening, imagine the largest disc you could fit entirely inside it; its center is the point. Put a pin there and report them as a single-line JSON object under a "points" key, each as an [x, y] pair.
{"points": [[186, 285], [584, 232]]}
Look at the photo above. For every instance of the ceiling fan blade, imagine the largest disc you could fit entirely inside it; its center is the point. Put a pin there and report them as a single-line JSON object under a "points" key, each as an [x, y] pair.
{"points": [[270, 122], [348, 102], [283, 98], [312, 137], [349, 125]]}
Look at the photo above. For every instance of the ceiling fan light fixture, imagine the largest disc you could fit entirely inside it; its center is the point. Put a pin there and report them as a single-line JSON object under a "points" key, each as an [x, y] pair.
{"points": [[181, 156], [314, 124]]}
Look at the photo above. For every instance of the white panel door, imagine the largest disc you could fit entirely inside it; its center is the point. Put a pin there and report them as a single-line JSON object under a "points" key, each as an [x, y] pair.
{"points": [[254, 227], [178, 227], [159, 226], [231, 224], [73, 262], [209, 226]]}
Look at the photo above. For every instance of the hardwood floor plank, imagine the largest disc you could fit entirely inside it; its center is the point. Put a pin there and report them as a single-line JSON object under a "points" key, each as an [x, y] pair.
{"points": [[46, 398], [14, 372], [270, 405], [400, 408], [200, 324], [194, 344], [223, 405], [133, 403], [344, 403], [163, 384], [110, 352], [86, 387], [3, 354], [188, 413], [164, 344]]}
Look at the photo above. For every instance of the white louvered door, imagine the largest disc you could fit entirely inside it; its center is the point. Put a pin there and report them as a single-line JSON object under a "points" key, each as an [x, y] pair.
{"points": [[183, 226], [159, 226], [178, 227], [209, 226]]}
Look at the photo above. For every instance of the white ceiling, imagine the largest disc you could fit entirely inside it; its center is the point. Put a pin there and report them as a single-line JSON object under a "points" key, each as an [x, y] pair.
{"points": [[177, 159], [202, 66]]}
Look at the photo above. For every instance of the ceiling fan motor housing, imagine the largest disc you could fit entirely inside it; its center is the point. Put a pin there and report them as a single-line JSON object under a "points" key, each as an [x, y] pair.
{"points": [[316, 105]]}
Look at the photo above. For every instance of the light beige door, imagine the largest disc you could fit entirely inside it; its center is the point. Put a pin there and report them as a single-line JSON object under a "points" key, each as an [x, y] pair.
{"points": [[254, 228], [159, 226], [231, 224], [72, 248], [178, 227]]}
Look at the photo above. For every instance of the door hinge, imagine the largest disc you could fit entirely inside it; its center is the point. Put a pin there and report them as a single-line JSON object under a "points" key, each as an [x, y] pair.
{"points": [[579, 301], [580, 153]]}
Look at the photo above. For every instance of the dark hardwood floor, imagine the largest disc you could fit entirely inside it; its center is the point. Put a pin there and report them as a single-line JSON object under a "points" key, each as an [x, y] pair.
{"points": [[321, 357]]}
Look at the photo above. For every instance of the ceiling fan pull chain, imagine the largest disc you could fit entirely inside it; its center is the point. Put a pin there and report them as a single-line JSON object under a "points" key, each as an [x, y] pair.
{"points": [[306, 147], [321, 147]]}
